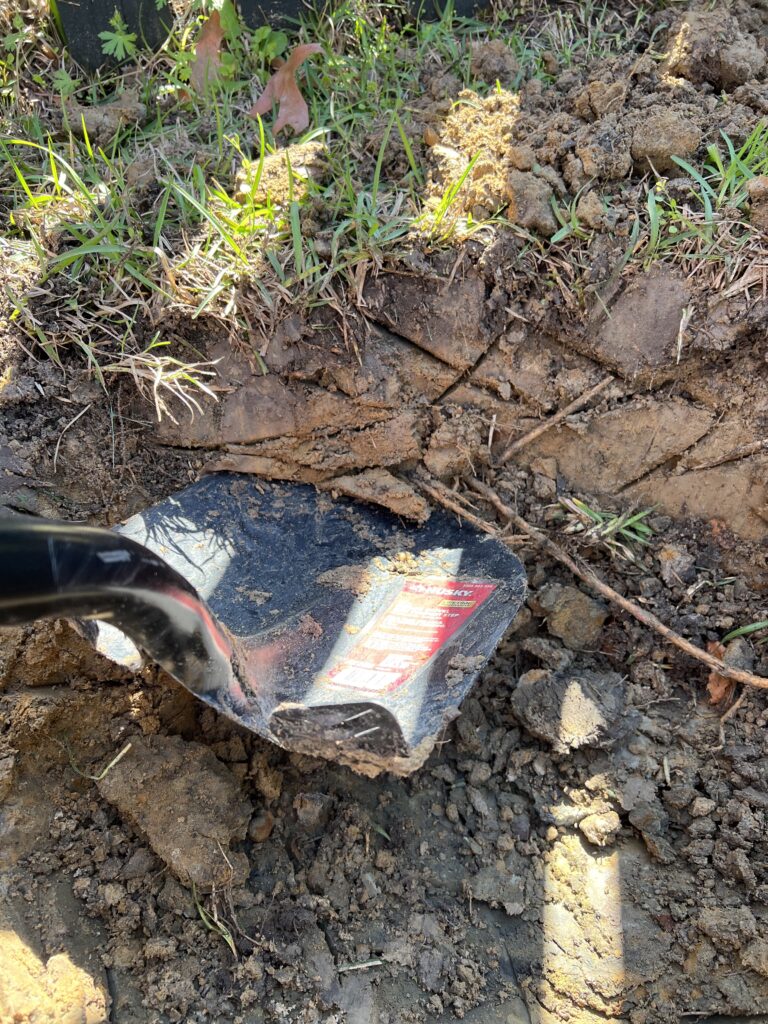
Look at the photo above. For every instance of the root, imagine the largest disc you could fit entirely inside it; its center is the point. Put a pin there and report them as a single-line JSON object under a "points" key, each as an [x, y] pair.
{"points": [[453, 501], [558, 417]]}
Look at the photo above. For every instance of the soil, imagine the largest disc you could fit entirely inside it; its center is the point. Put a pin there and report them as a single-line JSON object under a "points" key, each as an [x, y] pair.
{"points": [[588, 842]]}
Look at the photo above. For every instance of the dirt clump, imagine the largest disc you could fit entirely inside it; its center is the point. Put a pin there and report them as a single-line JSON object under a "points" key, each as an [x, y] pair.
{"points": [[709, 46], [572, 615], [26, 657], [600, 829], [443, 317], [568, 710], [604, 149], [283, 176], [103, 122], [758, 198], [380, 487], [640, 336], [488, 137], [662, 135], [530, 202], [187, 804], [592, 212], [493, 61], [456, 444]]}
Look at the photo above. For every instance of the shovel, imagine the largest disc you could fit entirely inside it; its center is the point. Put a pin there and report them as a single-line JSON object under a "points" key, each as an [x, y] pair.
{"points": [[328, 627]]}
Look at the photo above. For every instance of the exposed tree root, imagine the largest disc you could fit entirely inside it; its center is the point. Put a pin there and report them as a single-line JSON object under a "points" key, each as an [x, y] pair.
{"points": [[454, 502]]}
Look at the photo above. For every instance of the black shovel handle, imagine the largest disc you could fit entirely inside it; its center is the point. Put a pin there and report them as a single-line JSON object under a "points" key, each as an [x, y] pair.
{"points": [[54, 570]]}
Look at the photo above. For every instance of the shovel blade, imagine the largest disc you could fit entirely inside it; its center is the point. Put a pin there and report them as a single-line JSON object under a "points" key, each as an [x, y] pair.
{"points": [[356, 636]]}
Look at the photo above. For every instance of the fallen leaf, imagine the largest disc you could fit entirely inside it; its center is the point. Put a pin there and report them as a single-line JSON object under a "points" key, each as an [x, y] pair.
{"points": [[205, 67], [283, 90], [719, 687]]}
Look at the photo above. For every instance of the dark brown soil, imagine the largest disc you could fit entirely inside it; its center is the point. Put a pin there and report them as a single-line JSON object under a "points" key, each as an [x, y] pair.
{"points": [[589, 841]]}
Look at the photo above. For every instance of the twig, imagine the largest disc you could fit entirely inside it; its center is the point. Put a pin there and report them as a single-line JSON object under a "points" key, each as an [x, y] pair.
{"points": [[729, 713], [94, 778], [742, 452], [71, 423], [583, 572], [455, 503], [359, 967], [558, 417]]}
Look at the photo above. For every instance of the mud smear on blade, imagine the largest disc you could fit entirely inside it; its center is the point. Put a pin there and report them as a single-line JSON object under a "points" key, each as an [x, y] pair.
{"points": [[324, 626]]}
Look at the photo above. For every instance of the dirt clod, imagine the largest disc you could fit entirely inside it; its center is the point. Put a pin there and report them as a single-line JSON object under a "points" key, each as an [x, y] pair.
{"points": [[676, 566], [313, 810], [102, 122], [604, 150], [600, 829], [493, 62], [380, 487], [530, 202], [571, 710], [661, 135], [709, 46], [260, 826], [572, 615], [187, 804]]}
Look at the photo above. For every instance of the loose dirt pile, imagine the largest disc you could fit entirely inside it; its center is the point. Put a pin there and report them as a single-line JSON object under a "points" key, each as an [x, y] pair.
{"points": [[589, 841]]}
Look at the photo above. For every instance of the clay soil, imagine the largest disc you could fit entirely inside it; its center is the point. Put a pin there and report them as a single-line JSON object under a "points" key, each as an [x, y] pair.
{"points": [[588, 841]]}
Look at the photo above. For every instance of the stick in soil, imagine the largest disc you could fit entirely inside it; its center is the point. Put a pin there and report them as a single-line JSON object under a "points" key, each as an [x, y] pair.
{"points": [[94, 778], [729, 714], [558, 417], [583, 572], [742, 452]]}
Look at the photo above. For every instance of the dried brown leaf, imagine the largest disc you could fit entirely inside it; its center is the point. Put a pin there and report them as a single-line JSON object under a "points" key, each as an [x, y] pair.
{"points": [[720, 688], [283, 90], [207, 63]]}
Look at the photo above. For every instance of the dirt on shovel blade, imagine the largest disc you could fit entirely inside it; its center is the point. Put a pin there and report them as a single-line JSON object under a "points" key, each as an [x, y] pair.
{"points": [[364, 636]]}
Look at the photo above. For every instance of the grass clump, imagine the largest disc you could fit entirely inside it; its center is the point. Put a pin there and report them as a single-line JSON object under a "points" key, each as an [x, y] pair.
{"points": [[620, 533], [708, 229]]}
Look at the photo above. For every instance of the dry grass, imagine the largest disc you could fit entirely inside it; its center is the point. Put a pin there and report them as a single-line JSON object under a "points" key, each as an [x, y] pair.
{"points": [[125, 241]]}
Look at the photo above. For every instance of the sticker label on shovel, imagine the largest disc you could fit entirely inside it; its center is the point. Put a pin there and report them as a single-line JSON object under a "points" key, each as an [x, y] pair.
{"points": [[398, 643]]}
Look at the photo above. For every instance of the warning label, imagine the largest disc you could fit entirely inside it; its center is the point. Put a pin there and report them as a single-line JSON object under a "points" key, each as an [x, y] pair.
{"points": [[423, 616]]}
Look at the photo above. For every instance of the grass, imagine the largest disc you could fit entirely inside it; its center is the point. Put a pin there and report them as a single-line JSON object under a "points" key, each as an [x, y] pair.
{"points": [[708, 229], [114, 259], [620, 533], [574, 33], [753, 627], [213, 922], [94, 778], [119, 267]]}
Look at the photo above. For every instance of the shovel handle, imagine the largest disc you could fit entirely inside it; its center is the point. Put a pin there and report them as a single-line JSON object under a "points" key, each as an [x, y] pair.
{"points": [[54, 570]]}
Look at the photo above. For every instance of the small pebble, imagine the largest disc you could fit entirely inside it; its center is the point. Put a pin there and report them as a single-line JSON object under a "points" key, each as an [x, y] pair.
{"points": [[260, 827]]}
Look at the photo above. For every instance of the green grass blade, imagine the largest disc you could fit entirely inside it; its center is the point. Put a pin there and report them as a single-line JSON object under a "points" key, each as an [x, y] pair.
{"points": [[753, 627], [212, 219], [706, 188], [73, 255]]}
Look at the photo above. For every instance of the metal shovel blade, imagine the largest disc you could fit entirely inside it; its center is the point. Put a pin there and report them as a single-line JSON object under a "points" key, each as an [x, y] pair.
{"points": [[356, 637]]}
